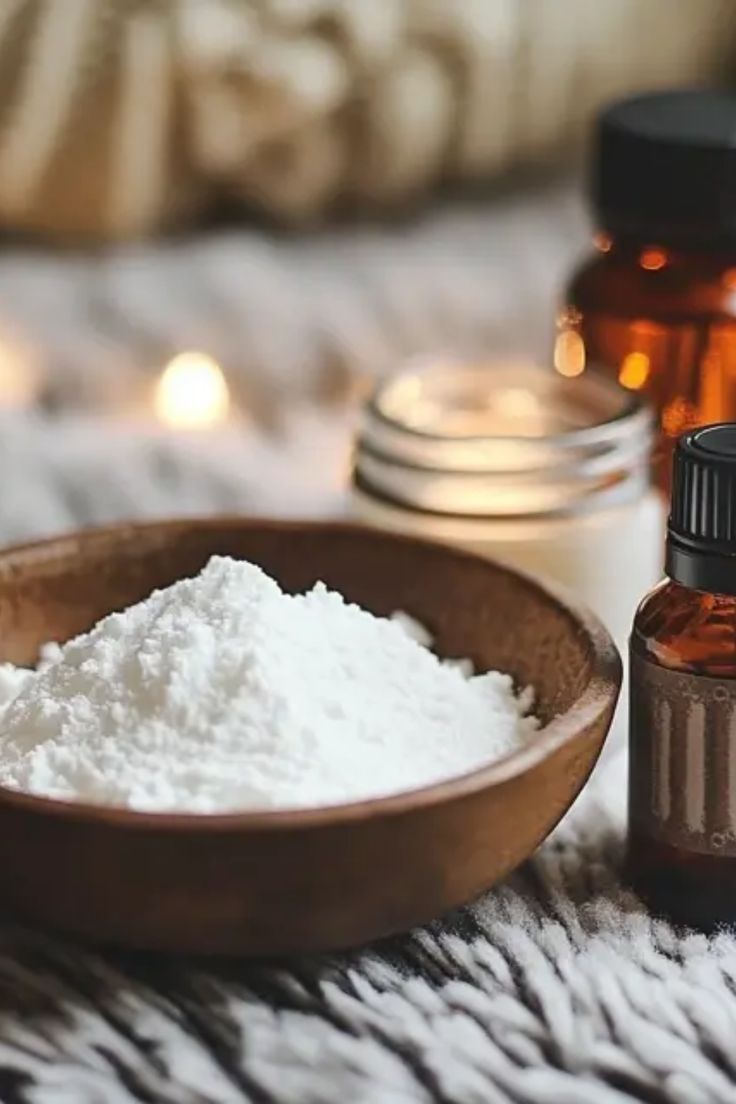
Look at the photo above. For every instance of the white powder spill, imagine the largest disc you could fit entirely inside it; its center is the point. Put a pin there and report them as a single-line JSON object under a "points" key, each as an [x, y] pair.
{"points": [[222, 693]]}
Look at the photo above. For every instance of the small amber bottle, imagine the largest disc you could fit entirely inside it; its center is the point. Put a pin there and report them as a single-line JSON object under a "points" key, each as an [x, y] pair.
{"points": [[655, 305], [682, 737]]}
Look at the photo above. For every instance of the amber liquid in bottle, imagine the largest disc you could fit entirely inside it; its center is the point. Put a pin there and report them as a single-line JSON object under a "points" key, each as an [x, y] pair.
{"points": [[662, 321], [655, 305], [683, 630]]}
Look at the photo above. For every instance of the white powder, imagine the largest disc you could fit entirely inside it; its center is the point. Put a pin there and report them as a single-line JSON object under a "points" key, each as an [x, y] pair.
{"points": [[222, 693]]}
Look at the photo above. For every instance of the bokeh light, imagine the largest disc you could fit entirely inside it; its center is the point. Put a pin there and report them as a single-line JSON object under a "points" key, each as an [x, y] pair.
{"points": [[192, 392]]}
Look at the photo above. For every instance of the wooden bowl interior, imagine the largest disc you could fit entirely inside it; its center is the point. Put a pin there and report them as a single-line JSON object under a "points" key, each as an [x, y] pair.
{"points": [[474, 608]]}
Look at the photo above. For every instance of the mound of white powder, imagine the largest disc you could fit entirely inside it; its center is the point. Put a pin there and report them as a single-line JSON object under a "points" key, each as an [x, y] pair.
{"points": [[223, 693]]}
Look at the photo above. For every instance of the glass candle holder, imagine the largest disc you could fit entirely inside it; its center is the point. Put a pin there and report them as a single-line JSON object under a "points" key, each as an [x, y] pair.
{"points": [[548, 474]]}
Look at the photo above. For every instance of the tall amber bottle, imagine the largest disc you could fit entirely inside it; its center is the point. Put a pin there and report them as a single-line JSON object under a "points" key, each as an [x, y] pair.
{"points": [[682, 792], [655, 305]]}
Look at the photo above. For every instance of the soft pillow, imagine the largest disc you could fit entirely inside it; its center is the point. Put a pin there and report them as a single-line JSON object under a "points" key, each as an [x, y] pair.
{"points": [[118, 118]]}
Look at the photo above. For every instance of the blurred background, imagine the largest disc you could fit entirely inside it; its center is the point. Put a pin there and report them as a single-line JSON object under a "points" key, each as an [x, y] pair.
{"points": [[222, 219]]}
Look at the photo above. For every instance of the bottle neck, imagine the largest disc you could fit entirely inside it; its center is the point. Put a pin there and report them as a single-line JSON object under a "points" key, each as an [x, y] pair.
{"points": [[705, 569]]}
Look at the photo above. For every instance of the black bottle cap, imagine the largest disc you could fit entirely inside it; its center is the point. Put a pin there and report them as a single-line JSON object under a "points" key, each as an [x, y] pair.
{"points": [[665, 168], [701, 532]]}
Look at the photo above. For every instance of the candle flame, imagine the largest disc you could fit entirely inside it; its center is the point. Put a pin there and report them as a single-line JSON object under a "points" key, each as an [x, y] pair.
{"points": [[18, 376], [192, 392]]}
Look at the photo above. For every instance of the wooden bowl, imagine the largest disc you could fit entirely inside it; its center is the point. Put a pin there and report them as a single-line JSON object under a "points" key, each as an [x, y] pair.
{"points": [[267, 883]]}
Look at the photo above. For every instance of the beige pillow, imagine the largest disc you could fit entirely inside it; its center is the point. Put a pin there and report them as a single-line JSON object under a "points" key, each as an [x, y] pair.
{"points": [[118, 118]]}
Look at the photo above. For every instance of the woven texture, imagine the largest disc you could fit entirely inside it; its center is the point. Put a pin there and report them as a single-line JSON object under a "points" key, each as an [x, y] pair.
{"points": [[119, 116], [290, 319], [556, 988]]}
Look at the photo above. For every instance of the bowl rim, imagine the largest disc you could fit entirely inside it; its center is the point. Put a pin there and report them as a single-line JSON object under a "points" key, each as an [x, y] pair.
{"points": [[599, 695]]}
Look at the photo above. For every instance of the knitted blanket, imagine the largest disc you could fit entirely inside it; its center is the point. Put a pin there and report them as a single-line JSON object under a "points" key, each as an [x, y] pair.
{"points": [[117, 118], [555, 988]]}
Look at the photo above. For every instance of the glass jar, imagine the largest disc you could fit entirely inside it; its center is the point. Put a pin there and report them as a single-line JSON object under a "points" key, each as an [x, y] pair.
{"points": [[518, 463], [655, 305]]}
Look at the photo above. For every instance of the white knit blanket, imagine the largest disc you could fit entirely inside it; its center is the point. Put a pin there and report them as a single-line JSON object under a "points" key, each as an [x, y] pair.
{"points": [[556, 988]]}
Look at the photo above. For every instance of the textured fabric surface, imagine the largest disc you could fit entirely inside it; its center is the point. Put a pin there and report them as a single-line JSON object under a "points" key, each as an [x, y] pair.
{"points": [[290, 318], [556, 988], [119, 116]]}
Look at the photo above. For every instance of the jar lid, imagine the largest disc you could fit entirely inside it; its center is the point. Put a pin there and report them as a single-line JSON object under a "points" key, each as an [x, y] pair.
{"points": [[665, 167], [512, 440]]}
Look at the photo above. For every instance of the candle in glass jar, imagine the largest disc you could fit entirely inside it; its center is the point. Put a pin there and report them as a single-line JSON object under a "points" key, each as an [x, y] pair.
{"points": [[516, 462]]}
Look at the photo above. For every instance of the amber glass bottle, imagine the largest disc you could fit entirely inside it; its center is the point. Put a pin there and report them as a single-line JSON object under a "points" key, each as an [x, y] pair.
{"points": [[656, 303], [682, 792]]}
